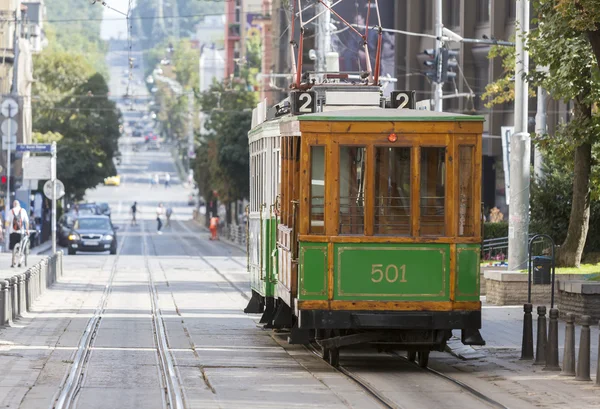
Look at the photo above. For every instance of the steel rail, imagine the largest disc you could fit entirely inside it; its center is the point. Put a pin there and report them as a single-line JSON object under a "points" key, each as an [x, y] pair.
{"points": [[172, 386], [72, 384], [458, 383], [370, 389]]}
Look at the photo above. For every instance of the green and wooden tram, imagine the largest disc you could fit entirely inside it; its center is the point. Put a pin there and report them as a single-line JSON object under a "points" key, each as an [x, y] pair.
{"points": [[365, 226]]}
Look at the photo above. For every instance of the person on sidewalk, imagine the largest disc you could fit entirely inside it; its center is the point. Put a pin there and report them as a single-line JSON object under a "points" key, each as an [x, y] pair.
{"points": [[168, 213], [214, 225], [18, 224], [167, 180], [160, 210], [134, 210]]}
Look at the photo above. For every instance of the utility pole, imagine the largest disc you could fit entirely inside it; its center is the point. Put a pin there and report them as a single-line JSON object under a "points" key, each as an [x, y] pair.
{"points": [[520, 151], [540, 129], [7, 204], [438, 85], [323, 37], [190, 149]]}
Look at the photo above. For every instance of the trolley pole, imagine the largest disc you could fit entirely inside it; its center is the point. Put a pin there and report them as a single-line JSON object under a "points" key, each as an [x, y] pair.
{"points": [[438, 87], [520, 151]]}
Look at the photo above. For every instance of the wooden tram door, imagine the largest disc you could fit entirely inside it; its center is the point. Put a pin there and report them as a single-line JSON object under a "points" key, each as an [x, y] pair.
{"points": [[287, 242]]}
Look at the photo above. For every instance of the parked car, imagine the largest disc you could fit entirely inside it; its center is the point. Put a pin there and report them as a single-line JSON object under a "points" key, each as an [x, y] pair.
{"points": [[92, 233]]}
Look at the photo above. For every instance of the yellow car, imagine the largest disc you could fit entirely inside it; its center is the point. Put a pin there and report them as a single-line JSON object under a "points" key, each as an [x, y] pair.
{"points": [[113, 181]]}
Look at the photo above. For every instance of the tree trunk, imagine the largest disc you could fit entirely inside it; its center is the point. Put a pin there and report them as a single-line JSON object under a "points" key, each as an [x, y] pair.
{"points": [[570, 252], [594, 37]]}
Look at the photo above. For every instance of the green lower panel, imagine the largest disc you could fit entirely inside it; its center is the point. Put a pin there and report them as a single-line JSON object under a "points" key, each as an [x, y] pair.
{"points": [[312, 271], [384, 272], [467, 272]]}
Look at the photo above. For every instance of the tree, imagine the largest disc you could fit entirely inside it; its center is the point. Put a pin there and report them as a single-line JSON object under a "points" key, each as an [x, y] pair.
{"points": [[561, 43], [72, 107], [223, 158]]}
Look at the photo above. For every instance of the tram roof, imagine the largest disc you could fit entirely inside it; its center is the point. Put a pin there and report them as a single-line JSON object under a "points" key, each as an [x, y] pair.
{"points": [[381, 114]]}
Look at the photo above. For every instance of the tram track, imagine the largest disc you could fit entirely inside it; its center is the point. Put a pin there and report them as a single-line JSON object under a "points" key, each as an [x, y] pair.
{"points": [[169, 381], [72, 384], [171, 385], [379, 396]]}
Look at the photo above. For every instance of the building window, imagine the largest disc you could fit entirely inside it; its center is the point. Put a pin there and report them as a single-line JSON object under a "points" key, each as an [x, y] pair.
{"points": [[483, 11], [392, 191], [433, 191], [511, 9], [452, 13], [317, 190], [352, 189], [426, 15]]}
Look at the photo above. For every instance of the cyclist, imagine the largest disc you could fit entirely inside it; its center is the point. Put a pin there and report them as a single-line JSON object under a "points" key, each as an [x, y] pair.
{"points": [[18, 224]]}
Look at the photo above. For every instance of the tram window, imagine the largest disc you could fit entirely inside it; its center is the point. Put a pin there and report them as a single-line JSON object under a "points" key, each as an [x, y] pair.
{"points": [[317, 190], [352, 190], [433, 191], [465, 191], [392, 191]]}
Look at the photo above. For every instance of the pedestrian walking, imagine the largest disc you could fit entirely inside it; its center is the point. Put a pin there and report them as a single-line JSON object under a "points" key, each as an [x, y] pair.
{"points": [[214, 225], [133, 214], [167, 180], [18, 224], [168, 213], [159, 212], [154, 180]]}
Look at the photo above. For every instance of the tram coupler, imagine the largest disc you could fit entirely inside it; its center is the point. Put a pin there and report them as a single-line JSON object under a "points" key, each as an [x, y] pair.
{"points": [[471, 336]]}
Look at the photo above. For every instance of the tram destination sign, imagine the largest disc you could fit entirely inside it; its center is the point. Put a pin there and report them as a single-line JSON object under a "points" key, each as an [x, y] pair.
{"points": [[34, 147], [303, 102]]}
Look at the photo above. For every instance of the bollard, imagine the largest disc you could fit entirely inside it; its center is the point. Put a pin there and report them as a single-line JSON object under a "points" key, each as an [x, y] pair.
{"points": [[28, 290], [552, 345], [583, 361], [540, 357], [13, 298], [3, 303], [527, 344], [569, 356], [22, 294]]}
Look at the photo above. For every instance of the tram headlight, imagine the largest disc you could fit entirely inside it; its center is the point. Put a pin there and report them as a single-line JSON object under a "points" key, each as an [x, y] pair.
{"points": [[392, 137]]}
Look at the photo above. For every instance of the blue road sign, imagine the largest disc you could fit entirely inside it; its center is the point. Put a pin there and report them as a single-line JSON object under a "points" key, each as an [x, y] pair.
{"points": [[34, 147]]}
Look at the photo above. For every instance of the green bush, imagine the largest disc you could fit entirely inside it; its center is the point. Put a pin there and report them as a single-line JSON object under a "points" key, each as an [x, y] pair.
{"points": [[495, 230], [551, 198]]}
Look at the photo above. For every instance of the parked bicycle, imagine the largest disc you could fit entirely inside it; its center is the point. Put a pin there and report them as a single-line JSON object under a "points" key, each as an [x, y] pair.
{"points": [[21, 249]]}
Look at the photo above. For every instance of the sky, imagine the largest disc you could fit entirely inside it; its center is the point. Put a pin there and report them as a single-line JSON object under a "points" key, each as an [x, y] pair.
{"points": [[116, 28]]}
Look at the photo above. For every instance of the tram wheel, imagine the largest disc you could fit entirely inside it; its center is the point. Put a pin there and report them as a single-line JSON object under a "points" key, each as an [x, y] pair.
{"points": [[411, 356], [423, 358], [334, 357]]}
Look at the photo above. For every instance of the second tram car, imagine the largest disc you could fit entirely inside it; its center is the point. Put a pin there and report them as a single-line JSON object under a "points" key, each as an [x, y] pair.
{"points": [[364, 223]]}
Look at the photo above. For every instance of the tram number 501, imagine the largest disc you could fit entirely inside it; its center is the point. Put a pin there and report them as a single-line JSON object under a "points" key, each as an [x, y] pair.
{"points": [[391, 273], [303, 102]]}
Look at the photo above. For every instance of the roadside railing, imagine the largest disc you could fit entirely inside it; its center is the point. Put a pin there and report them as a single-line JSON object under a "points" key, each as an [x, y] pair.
{"points": [[496, 249], [19, 292], [235, 233]]}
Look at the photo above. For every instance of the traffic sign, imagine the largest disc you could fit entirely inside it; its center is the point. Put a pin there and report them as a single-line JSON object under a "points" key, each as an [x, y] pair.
{"points": [[60, 189], [34, 147], [37, 167], [9, 123], [9, 108], [6, 142]]}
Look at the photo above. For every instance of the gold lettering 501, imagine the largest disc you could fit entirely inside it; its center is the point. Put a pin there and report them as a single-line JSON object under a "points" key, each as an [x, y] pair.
{"points": [[392, 273]]}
